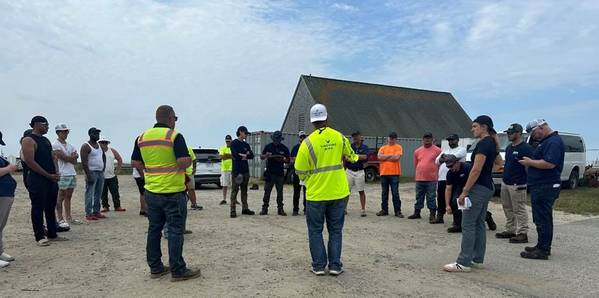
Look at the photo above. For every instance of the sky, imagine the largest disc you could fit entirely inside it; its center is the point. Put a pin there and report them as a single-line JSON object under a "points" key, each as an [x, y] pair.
{"points": [[226, 63]]}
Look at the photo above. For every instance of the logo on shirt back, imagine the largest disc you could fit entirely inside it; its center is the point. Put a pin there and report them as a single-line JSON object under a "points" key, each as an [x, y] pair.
{"points": [[462, 175]]}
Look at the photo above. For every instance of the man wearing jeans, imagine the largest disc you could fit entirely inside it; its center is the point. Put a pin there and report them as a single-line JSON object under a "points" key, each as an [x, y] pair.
{"points": [[544, 170], [390, 169], [241, 152], [427, 174], [93, 161], [319, 164], [162, 155]]}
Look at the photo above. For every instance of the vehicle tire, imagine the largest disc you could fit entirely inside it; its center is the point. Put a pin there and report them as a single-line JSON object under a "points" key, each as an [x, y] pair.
{"points": [[219, 185], [572, 182], [370, 174]]}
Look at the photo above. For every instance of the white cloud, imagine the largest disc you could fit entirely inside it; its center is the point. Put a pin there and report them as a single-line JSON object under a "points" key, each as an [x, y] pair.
{"points": [[498, 48], [344, 7], [111, 63]]}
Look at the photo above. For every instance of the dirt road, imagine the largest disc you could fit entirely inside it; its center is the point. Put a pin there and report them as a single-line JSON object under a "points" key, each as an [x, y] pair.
{"points": [[268, 255]]}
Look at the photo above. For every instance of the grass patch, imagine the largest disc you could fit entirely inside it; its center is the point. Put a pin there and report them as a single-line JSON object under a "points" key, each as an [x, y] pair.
{"points": [[582, 200]]}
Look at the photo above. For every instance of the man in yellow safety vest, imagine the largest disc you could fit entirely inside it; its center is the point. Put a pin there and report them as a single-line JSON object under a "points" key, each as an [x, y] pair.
{"points": [[319, 163], [162, 155]]}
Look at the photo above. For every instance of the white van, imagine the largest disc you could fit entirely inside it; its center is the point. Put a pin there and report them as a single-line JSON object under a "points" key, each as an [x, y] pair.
{"points": [[574, 159]]}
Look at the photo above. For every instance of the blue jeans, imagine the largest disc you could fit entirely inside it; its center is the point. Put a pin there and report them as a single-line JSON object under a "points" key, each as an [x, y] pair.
{"points": [[393, 183], [93, 192], [334, 213], [172, 210], [542, 198], [426, 189], [474, 234]]}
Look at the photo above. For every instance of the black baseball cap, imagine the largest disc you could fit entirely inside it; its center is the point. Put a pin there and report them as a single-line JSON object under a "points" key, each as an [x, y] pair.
{"points": [[228, 138], [514, 127], [244, 129], [355, 133], [452, 137], [1, 141], [393, 135], [277, 136], [450, 160], [486, 120], [38, 119], [428, 135], [93, 130]]}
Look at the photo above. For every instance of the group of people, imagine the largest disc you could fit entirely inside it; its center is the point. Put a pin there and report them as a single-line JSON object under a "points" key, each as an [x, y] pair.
{"points": [[326, 165]]}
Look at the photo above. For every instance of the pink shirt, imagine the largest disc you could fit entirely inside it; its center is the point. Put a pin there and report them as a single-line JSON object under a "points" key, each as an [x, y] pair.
{"points": [[424, 162]]}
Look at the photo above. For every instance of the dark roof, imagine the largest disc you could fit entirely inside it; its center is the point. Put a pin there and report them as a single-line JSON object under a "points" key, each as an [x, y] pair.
{"points": [[376, 110]]}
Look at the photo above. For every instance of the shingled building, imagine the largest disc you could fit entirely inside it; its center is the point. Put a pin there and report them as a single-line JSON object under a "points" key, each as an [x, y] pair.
{"points": [[376, 110]]}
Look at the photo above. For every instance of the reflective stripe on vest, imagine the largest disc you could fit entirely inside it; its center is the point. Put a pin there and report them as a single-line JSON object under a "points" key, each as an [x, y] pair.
{"points": [[162, 173], [313, 155]]}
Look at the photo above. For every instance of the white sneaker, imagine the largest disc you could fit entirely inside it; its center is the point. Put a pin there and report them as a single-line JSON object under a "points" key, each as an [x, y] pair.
{"points": [[318, 272], [476, 265], [3, 264], [455, 267], [6, 257], [64, 224], [335, 272], [43, 242]]}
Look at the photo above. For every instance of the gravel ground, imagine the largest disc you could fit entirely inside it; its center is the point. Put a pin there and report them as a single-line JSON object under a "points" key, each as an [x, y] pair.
{"points": [[268, 255]]}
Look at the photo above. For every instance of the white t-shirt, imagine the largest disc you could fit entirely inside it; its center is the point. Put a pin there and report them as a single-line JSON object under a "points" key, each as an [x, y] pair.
{"points": [[459, 152], [65, 168], [109, 169]]}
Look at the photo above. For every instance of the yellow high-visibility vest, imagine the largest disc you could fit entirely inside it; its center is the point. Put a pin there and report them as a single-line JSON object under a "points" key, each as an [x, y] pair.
{"points": [[189, 170], [162, 173], [226, 165], [319, 163]]}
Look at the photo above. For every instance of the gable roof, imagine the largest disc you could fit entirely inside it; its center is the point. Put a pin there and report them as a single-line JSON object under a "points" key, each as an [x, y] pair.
{"points": [[376, 110]]}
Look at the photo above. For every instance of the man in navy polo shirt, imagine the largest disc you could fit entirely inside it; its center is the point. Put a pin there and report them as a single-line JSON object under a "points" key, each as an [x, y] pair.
{"points": [[513, 187], [544, 170], [355, 170]]}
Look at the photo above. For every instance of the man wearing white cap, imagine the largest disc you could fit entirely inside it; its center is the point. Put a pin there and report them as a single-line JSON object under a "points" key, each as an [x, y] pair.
{"points": [[67, 158], [543, 181], [319, 164], [111, 180]]}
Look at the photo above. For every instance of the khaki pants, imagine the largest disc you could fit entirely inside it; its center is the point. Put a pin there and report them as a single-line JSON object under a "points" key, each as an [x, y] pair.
{"points": [[513, 200]]}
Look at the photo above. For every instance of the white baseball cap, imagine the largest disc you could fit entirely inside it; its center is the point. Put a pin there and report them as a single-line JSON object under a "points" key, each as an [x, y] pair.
{"points": [[318, 112], [104, 139], [61, 127]]}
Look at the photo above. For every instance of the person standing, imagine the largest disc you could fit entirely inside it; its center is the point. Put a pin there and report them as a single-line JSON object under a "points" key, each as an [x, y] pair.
{"points": [[356, 177], [544, 171], [226, 166], [8, 185], [319, 164], [111, 180], [276, 155], [67, 158], [456, 180], [241, 152], [513, 187], [427, 174], [93, 161], [298, 185], [390, 170], [191, 182], [140, 182], [162, 155], [454, 149], [41, 181], [475, 197]]}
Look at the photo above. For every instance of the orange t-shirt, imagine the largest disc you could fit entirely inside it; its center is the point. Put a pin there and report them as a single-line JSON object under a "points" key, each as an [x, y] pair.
{"points": [[390, 167]]}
